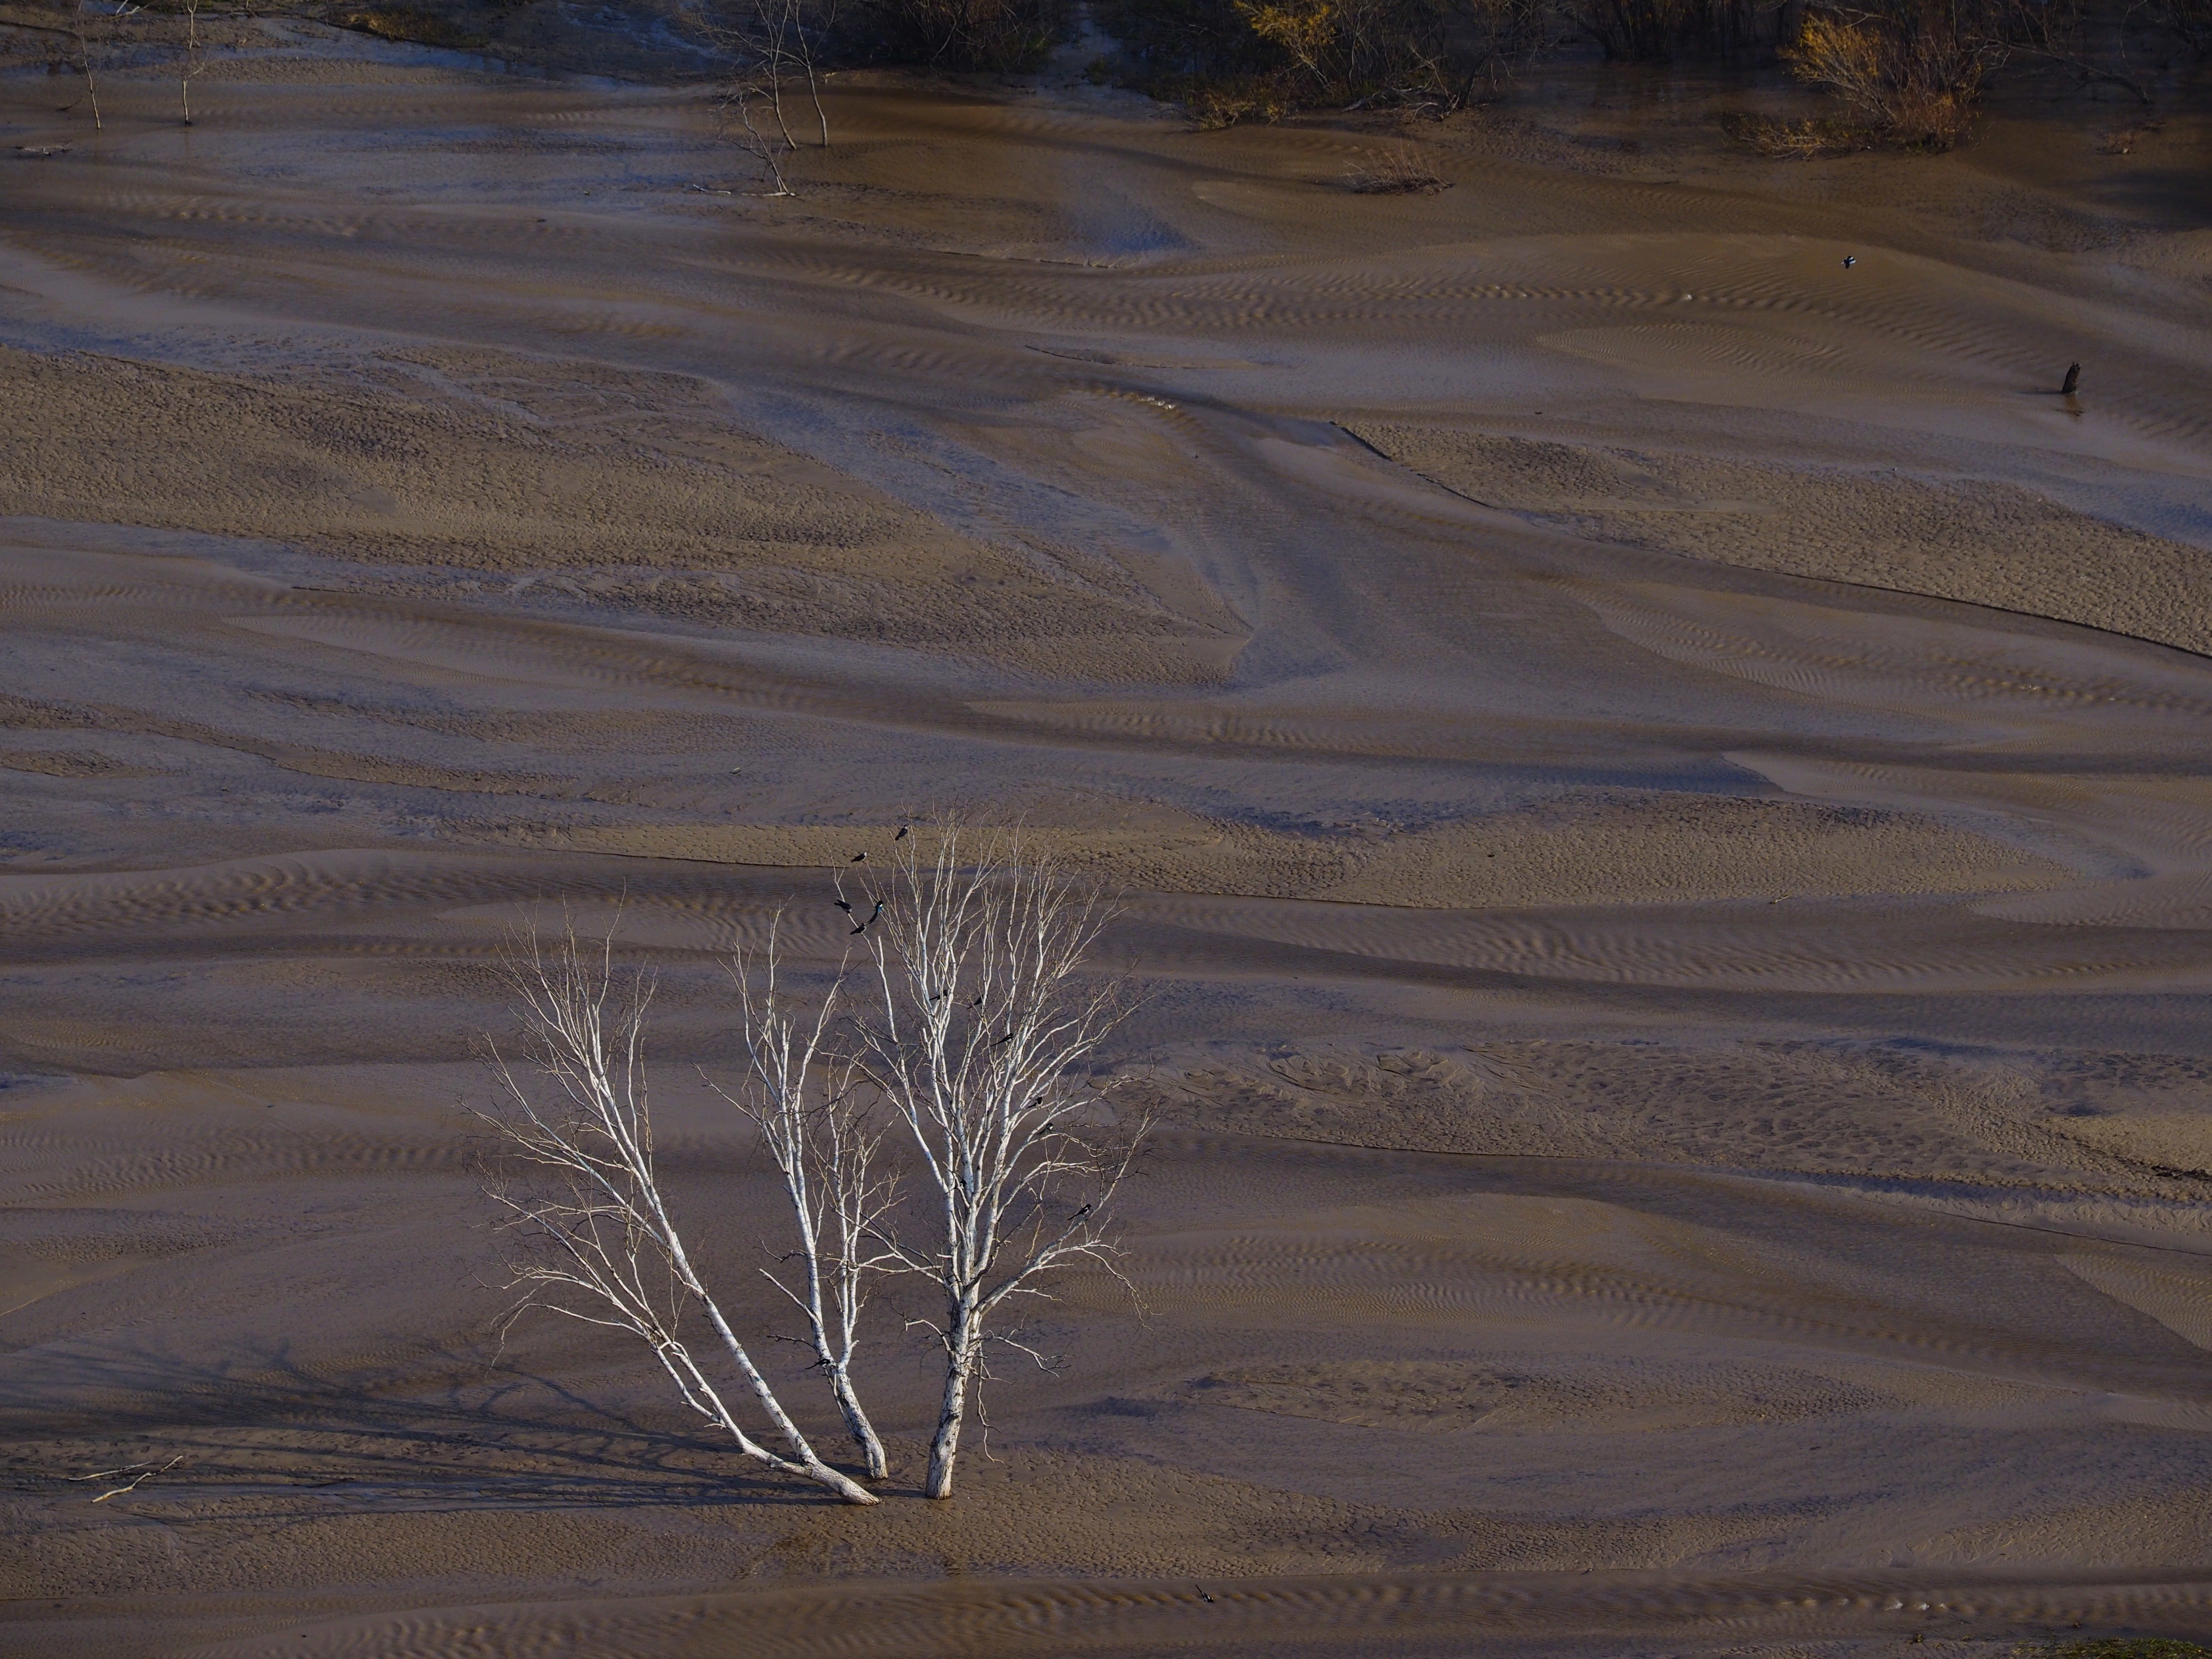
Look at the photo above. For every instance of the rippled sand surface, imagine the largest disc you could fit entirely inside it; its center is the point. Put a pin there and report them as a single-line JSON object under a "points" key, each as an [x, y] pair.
{"points": [[1662, 783]]}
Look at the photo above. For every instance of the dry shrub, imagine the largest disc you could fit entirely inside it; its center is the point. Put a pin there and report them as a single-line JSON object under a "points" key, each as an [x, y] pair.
{"points": [[1230, 59], [1911, 77], [409, 24]]}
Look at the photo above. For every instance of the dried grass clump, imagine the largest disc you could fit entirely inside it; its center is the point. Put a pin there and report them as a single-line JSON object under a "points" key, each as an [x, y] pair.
{"points": [[1234, 60], [1215, 106], [1396, 173], [2124, 142], [1798, 140], [411, 25]]}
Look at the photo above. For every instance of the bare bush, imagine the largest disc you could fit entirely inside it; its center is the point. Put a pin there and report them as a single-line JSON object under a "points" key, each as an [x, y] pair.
{"points": [[601, 1245], [1416, 53], [988, 1018]]}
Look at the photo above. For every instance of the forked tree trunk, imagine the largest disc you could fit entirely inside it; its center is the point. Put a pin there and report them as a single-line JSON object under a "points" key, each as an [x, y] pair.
{"points": [[963, 1349]]}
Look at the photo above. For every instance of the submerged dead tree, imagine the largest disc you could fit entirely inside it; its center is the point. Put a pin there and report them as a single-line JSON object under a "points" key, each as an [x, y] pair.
{"points": [[603, 1247], [987, 1018]]}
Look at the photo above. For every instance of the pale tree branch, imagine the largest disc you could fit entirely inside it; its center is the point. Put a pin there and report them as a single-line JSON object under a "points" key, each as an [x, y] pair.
{"points": [[602, 1247]]}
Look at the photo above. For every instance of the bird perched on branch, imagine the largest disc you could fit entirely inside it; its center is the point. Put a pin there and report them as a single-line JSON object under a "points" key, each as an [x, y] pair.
{"points": [[872, 915], [902, 834]]}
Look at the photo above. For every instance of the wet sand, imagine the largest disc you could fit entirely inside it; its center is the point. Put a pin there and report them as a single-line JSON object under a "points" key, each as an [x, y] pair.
{"points": [[1662, 784]]}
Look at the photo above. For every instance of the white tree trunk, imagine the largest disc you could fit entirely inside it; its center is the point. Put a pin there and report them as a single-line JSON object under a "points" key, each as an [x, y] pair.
{"points": [[963, 1351]]}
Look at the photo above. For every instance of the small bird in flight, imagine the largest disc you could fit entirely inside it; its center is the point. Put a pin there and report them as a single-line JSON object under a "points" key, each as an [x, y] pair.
{"points": [[1849, 259]]}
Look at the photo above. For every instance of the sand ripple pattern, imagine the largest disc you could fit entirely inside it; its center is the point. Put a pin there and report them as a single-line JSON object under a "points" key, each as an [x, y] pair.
{"points": [[1365, 1613], [1738, 946]]}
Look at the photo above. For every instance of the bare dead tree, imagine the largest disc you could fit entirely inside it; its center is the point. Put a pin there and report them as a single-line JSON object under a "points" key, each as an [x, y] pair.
{"points": [[814, 1125], [604, 1248], [988, 1018]]}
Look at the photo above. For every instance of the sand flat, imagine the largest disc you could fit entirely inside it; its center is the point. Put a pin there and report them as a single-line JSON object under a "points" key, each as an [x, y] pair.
{"points": [[1659, 783]]}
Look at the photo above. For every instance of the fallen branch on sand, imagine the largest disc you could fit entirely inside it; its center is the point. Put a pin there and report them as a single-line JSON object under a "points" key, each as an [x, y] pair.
{"points": [[145, 1472]]}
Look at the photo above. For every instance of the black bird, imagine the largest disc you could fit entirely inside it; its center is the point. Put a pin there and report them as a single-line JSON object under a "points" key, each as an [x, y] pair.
{"points": [[902, 834], [842, 905], [872, 915], [860, 858], [978, 1000], [2073, 381], [1849, 259]]}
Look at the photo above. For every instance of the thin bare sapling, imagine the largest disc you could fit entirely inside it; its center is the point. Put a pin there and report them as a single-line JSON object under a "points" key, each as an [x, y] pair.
{"points": [[194, 58], [600, 1245], [94, 28]]}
